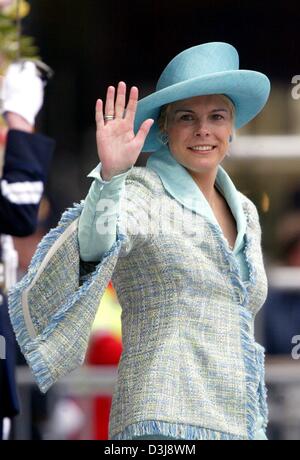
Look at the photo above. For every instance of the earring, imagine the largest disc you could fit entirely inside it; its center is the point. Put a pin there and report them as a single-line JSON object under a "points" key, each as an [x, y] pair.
{"points": [[230, 138], [164, 138]]}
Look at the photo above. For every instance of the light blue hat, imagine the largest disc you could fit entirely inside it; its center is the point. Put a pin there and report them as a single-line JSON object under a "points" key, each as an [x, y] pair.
{"points": [[211, 68]]}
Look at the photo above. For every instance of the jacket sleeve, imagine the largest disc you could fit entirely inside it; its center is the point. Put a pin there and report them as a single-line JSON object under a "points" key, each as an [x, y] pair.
{"points": [[98, 222], [26, 164], [52, 309], [119, 206], [53, 306]]}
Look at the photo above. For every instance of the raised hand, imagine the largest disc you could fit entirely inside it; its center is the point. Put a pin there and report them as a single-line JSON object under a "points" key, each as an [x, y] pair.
{"points": [[118, 146]]}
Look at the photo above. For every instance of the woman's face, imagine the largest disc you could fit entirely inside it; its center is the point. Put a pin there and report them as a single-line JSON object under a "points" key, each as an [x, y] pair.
{"points": [[198, 130]]}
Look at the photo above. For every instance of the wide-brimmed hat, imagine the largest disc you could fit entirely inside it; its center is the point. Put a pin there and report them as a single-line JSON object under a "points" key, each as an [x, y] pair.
{"points": [[210, 68]]}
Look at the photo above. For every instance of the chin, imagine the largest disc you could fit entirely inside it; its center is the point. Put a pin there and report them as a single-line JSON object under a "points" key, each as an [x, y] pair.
{"points": [[201, 162], [203, 167]]}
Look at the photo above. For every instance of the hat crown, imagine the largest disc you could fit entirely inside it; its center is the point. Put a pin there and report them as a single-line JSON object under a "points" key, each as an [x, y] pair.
{"points": [[198, 61]]}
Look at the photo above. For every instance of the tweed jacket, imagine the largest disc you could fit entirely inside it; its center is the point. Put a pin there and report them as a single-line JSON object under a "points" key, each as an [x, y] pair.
{"points": [[190, 366], [177, 182]]}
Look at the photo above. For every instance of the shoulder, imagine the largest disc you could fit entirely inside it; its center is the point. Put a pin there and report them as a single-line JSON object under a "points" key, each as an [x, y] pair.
{"points": [[251, 213], [144, 180], [140, 196], [247, 203]]}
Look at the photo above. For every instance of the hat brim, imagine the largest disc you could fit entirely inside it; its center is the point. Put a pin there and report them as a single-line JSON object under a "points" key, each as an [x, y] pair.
{"points": [[249, 91]]}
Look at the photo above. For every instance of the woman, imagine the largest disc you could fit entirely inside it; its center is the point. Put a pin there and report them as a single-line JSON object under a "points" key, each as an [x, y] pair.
{"points": [[182, 247]]}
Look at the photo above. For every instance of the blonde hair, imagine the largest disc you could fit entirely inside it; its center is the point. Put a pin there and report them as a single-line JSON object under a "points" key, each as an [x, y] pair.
{"points": [[162, 119]]}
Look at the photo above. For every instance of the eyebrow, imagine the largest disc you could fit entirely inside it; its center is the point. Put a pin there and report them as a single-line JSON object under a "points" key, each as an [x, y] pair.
{"points": [[192, 111]]}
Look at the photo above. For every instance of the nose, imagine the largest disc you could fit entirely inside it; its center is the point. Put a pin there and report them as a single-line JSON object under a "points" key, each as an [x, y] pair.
{"points": [[202, 129]]}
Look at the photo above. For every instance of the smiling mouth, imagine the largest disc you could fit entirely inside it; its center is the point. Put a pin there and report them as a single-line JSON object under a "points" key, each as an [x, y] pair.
{"points": [[202, 148]]}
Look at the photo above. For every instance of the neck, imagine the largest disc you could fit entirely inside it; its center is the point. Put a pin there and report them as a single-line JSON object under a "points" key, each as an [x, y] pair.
{"points": [[206, 183]]}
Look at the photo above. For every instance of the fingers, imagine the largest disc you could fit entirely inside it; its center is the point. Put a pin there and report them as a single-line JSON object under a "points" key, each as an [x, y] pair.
{"points": [[120, 100], [132, 104], [110, 101], [143, 131], [99, 113], [117, 108]]}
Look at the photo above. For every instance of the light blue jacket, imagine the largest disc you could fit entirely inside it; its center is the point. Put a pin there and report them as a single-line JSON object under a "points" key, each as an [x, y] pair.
{"points": [[190, 367], [177, 182], [179, 185]]}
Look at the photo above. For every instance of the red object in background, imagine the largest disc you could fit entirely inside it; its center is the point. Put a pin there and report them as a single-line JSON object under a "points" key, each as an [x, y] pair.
{"points": [[3, 134], [105, 349]]}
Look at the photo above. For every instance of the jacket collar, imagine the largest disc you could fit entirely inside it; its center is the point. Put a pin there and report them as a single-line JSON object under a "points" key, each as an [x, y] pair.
{"points": [[180, 184]]}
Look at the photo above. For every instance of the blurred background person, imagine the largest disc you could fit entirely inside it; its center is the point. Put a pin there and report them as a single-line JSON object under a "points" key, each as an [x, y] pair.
{"points": [[281, 322], [282, 308], [25, 165]]}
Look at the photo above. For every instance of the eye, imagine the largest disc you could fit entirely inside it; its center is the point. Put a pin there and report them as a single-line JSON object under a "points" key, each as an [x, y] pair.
{"points": [[217, 116], [186, 117]]}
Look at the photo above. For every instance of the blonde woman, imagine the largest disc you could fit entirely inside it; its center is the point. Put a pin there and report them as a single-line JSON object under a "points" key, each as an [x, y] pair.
{"points": [[182, 247]]}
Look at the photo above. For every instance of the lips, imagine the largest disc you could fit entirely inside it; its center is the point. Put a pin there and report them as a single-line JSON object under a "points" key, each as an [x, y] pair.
{"points": [[202, 148]]}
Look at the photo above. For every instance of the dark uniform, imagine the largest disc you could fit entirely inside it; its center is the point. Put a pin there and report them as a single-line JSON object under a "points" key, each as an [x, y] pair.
{"points": [[26, 164]]}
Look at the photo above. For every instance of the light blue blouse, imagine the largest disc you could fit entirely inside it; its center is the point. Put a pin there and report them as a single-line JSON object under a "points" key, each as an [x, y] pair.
{"points": [[178, 182]]}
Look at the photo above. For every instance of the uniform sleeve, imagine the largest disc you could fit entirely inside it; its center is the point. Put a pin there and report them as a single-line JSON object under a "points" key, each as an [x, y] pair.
{"points": [[27, 160], [98, 221]]}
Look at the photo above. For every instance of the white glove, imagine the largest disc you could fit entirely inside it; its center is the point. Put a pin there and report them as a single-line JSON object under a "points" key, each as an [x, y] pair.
{"points": [[22, 91]]}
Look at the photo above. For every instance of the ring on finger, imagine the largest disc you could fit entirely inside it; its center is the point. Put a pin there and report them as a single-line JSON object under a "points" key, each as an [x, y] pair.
{"points": [[109, 117]]}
